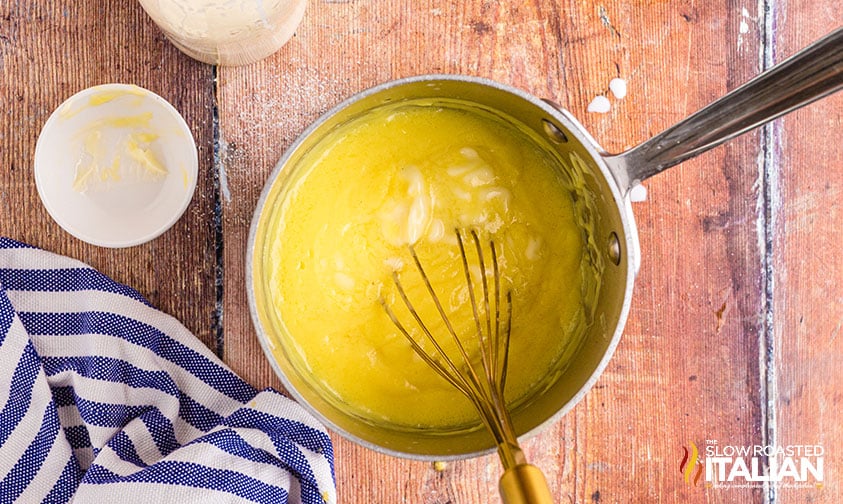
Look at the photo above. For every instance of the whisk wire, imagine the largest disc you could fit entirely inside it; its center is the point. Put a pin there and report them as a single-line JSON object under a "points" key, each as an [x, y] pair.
{"points": [[521, 482], [484, 354], [497, 335], [501, 343], [505, 344], [487, 395], [467, 385], [456, 379], [471, 374]]}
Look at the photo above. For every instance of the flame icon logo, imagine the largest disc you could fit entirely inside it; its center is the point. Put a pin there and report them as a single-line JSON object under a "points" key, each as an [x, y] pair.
{"points": [[689, 461]]}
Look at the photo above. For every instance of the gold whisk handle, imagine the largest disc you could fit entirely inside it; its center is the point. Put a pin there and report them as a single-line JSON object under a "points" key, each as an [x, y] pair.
{"points": [[524, 484]]}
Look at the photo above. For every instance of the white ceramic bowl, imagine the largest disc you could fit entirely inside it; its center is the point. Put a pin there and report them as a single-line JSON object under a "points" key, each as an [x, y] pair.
{"points": [[116, 165]]}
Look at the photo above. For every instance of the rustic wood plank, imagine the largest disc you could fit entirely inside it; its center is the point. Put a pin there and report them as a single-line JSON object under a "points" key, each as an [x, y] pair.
{"points": [[688, 367], [49, 51], [807, 228]]}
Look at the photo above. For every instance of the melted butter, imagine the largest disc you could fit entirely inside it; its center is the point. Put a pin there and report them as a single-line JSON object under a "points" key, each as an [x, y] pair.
{"points": [[107, 96], [72, 108], [118, 148], [137, 146], [131, 121], [185, 177], [411, 174]]}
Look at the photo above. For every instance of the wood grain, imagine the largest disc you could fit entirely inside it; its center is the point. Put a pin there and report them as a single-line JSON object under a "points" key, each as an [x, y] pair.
{"points": [[688, 367], [48, 52], [805, 185], [734, 329]]}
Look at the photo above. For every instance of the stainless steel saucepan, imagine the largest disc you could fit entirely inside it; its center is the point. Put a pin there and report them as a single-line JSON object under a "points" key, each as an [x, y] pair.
{"points": [[605, 182]]}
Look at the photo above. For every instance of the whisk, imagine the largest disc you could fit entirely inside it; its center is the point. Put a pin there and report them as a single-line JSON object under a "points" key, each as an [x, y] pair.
{"points": [[481, 380]]}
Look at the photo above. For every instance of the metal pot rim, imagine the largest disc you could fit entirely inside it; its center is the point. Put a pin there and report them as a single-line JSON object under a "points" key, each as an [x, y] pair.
{"points": [[570, 124]]}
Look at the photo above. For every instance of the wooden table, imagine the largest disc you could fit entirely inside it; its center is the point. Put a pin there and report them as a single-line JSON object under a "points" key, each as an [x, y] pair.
{"points": [[734, 334]]}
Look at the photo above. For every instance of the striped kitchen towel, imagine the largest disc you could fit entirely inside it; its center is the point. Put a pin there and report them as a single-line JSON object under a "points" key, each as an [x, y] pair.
{"points": [[106, 399]]}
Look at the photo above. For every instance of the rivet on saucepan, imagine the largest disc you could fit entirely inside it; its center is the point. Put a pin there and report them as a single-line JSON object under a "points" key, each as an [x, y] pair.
{"points": [[553, 132], [614, 249]]}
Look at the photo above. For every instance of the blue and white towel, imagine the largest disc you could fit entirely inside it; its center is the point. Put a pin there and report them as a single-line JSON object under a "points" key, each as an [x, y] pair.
{"points": [[106, 399]]}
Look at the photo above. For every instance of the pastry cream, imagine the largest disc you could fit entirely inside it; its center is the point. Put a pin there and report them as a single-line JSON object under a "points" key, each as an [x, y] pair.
{"points": [[413, 174]]}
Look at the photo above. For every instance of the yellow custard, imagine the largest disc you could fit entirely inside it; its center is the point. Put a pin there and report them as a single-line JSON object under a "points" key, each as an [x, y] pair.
{"points": [[412, 173]]}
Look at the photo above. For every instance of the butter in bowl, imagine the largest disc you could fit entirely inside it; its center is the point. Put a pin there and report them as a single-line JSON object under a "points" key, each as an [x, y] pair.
{"points": [[116, 165]]}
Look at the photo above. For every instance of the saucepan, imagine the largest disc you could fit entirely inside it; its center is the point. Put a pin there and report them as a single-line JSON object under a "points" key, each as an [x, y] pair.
{"points": [[604, 183]]}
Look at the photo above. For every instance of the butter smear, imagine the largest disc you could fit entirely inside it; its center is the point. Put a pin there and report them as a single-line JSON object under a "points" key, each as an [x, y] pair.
{"points": [[116, 148]]}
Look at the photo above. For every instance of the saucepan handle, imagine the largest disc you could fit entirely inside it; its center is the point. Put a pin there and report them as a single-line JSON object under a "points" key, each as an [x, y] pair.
{"points": [[812, 73]]}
